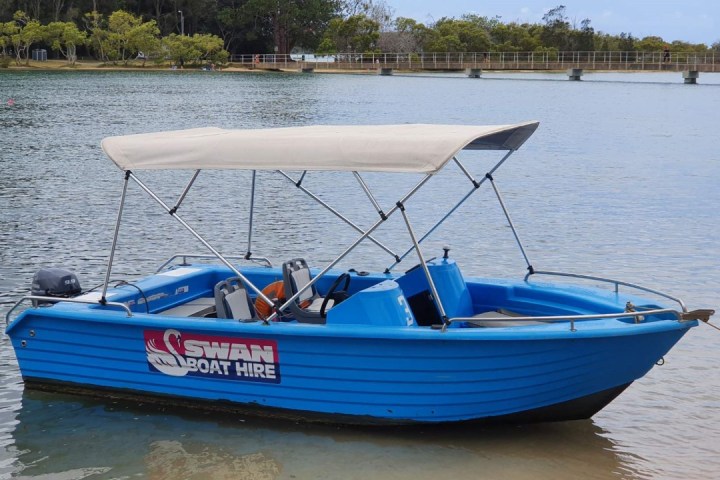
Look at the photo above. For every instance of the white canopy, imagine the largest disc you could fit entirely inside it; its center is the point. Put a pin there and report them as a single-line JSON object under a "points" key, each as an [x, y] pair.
{"points": [[378, 148]]}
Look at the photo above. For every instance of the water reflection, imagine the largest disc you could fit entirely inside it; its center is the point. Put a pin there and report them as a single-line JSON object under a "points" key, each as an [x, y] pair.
{"points": [[61, 436]]}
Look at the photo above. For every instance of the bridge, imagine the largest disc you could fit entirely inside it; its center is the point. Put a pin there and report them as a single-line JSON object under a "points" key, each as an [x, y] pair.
{"points": [[493, 61]]}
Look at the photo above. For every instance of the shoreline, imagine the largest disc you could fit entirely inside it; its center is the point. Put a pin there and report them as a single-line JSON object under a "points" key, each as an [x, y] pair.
{"points": [[95, 66]]}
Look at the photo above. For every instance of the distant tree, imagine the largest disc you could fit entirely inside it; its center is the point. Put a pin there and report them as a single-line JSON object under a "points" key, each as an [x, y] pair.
{"points": [[584, 38], [626, 42], [411, 36], [486, 23], [357, 33], [452, 35], [117, 44], [95, 23], [680, 46], [29, 32], [211, 48], [65, 37], [144, 38], [57, 8], [231, 20], [514, 37], [556, 31], [33, 8], [651, 44], [196, 49], [381, 13], [293, 22], [262, 25], [181, 48], [406, 36], [8, 30]]}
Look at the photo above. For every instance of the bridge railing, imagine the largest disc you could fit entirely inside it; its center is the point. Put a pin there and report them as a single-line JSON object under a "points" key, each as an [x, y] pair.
{"points": [[616, 60]]}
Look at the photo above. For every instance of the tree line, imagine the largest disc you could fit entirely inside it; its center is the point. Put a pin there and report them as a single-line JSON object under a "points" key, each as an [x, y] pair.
{"points": [[208, 30]]}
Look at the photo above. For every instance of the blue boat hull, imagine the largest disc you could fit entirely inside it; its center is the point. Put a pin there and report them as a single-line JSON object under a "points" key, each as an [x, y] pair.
{"points": [[344, 373]]}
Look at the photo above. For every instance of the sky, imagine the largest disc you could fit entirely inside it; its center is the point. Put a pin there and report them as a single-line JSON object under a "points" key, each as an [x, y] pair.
{"points": [[694, 21]]}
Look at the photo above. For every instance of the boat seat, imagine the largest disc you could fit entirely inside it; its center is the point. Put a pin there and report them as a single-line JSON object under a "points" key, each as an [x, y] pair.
{"points": [[306, 308], [502, 313], [232, 300]]}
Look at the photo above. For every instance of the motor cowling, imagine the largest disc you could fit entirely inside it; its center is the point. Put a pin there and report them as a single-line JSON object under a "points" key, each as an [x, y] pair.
{"points": [[55, 282]]}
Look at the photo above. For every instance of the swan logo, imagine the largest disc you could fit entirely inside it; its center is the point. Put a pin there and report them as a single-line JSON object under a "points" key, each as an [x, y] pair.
{"points": [[229, 358]]}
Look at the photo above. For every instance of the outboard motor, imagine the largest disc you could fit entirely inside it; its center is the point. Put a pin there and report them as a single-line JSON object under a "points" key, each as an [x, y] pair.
{"points": [[55, 282]]}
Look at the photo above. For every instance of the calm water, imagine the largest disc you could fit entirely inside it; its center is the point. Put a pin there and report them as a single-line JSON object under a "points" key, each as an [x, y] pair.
{"points": [[622, 179]]}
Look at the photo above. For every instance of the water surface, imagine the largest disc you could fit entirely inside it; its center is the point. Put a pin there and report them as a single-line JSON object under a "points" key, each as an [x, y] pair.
{"points": [[620, 180]]}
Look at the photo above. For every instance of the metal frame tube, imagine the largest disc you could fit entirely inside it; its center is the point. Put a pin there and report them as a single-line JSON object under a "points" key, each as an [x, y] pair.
{"points": [[476, 186], [572, 318], [128, 174], [425, 268], [185, 256], [350, 248], [465, 171], [512, 226], [69, 300], [250, 220], [368, 193], [679, 301], [337, 214], [202, 240], [185, 191]]}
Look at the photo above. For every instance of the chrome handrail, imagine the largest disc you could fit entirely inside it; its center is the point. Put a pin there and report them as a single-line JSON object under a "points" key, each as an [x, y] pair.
{"points": [[617, 283], [572, 318], [185, 256], [69, 300]]}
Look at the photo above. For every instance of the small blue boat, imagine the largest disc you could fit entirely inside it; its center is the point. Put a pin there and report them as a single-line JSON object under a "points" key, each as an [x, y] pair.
{"points": [[428, 345]]}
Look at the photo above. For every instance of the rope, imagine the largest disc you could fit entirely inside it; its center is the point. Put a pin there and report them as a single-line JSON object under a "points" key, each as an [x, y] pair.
{"points": [[714, 326]]}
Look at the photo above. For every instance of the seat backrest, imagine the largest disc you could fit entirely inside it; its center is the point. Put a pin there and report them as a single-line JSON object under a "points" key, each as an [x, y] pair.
{"points": [[296, 274], [232, 300]]}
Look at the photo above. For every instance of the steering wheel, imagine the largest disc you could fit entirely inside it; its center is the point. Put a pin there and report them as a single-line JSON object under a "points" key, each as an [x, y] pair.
{"points": [[333, 293]]}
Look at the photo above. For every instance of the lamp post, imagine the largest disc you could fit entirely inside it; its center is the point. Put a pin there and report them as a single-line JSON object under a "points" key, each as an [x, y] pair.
{"points": [[182, 23]]}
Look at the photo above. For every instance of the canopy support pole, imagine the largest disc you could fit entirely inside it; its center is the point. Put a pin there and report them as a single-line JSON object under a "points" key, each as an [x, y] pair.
{"points": [[103, 301], [185, 192], [338, 214], [512, 225], [433, 289], [362, 237], [370, 195], [202, 240], [248, 254], [476, 186]]}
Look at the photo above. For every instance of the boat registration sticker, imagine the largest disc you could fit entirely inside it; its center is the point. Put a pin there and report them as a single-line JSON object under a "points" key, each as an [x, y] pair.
{"points": [[178, 354]]}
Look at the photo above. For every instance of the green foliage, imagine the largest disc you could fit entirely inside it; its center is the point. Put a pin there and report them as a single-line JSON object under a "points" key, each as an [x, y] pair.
{"points": [[556, 31], [651, 44], [357, 33], [119, 29], [514, 37], [291, 22], [117, 41], [95, 23], [144, 38], [65, 37], [21, 33], [451, 35], [195, 50]]}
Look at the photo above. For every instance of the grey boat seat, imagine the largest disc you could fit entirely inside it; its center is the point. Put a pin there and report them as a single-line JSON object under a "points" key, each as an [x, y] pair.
{"points": [[232, 300], [306, 308]]}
